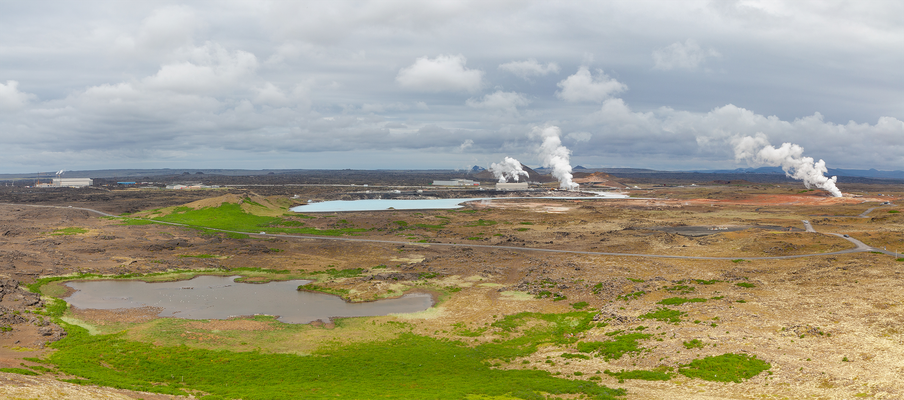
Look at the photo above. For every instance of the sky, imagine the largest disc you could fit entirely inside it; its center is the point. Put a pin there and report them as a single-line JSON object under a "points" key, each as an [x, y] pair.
{"points": [[446, 84]]}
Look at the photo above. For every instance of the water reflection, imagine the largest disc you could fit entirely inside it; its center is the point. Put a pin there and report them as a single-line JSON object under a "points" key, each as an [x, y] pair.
{"points": [[216, 297]]}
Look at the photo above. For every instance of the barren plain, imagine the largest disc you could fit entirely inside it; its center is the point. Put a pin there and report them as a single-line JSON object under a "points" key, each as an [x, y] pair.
{"points": [[594, 289]]}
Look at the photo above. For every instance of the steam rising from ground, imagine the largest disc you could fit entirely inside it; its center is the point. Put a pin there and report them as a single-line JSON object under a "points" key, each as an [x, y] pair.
{"points": [[758, 152], [556, 156], [509, 168]]}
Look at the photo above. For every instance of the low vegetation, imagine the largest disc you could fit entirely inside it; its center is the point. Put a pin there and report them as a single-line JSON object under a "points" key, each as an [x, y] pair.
{"points": [[68, 231], [231, 217], [725, 368]]}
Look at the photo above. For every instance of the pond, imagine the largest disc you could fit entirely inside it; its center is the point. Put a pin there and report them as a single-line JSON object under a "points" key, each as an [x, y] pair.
{"points": [[217, 297], [422, 204]]}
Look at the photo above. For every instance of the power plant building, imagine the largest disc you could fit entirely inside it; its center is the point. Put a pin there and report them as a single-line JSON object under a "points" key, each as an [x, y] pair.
{"points": [[511, 186], [72, 182], [456, 182]]}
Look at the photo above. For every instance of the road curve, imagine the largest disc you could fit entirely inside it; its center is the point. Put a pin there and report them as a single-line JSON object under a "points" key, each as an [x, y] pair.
{"points": [[859, 246]]}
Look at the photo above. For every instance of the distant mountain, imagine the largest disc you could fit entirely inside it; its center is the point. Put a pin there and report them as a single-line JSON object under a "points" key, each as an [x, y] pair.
{"points": [[477, 168]]}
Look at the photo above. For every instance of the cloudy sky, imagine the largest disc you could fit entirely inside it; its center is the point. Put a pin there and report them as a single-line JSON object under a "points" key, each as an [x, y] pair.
{"points": [[445, 84]]}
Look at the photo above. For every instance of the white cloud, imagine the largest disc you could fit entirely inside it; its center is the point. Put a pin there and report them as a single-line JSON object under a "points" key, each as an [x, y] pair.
{"points": [[499, 100], [467, 143], [11, 98], [688, 55], [530, 68], [207, 69], [441, 74], [582, 86]]}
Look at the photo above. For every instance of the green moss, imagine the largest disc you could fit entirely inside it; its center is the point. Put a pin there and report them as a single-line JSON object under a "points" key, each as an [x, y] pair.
{"points": [[68, 231], [664, 314], [658, 374], [681, 289], [693, 344], [231, 217], [19, 371], [629, 296], [482, 222], [677, 301], [745, 285], [580, 305], [616, 348], [407, 367], [725, 368]]}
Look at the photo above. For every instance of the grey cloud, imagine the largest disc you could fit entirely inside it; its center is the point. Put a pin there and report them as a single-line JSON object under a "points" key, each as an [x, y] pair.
{"points": [[688, 55], [445, 84]]}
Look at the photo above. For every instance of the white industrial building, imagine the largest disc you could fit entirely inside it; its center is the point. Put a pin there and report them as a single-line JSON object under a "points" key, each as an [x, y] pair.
{"points": [[511, 186], [72, 182], [456, 182]]}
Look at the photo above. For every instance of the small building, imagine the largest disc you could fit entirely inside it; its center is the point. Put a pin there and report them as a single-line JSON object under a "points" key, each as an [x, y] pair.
{"points": [[510, 186], [72, 182], [456, 182]]}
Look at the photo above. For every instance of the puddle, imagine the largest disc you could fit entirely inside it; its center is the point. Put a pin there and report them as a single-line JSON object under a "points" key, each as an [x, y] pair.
{"points": [[217, 297]]}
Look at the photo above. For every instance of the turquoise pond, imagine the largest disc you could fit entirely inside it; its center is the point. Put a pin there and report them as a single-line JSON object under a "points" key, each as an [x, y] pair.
{"points": [[422, 204]]}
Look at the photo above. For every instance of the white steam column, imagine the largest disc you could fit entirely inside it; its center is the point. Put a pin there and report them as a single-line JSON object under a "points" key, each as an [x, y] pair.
{"points": [[556, 156], [757, 151]]}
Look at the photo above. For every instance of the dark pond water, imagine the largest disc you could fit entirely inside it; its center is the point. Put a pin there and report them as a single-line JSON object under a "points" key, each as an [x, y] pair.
{"points": [[217, 297]]}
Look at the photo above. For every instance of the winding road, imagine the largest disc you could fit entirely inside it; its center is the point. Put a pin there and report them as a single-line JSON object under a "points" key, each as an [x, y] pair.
{"points": [[859, 246]]}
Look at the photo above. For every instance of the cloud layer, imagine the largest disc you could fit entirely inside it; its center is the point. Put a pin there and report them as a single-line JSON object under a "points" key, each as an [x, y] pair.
{"points": [[385, 84]]}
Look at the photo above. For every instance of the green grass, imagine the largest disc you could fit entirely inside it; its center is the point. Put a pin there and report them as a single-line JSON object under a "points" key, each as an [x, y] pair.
{"points": [[526, 223], [658, 374], [68, 231], [636, 280], [580, 305], [725, 368], [616, 348], [231, 217], [893, 211], [677, 301], [407, 367], [664, 314], [745, 285]]}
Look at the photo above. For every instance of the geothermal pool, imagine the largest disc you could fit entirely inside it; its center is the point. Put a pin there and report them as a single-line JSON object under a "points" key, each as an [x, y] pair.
{"points": [[422, 204], [217, 297]]}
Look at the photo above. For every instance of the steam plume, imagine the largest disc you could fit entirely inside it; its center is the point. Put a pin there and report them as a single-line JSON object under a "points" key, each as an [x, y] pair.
{"points": [[556, 156], [509, 168], [757, 152]]}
